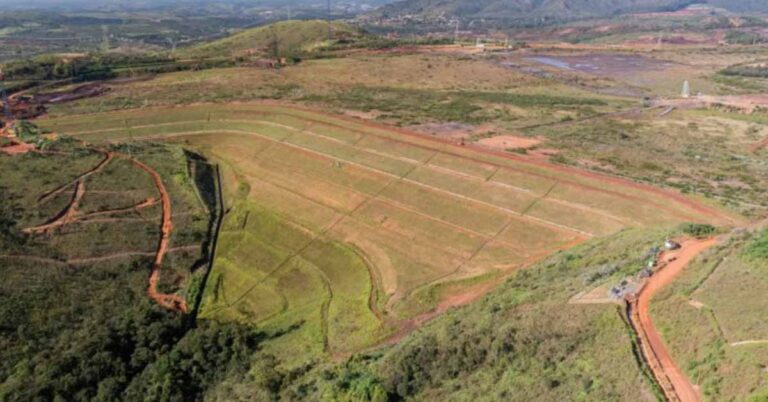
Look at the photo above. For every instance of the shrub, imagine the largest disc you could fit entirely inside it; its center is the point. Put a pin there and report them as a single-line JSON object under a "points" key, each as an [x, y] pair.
{"points": [[698, 230]]}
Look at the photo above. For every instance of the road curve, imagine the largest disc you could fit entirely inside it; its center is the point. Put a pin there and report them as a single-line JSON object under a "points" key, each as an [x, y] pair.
{"points": [[674, 383]]}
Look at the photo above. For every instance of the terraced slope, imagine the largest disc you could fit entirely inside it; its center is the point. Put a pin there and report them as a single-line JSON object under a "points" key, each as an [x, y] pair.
{"points": [[346, 232]]}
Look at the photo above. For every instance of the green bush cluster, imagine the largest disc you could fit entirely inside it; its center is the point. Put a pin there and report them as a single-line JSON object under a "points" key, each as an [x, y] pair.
{"points": [[758, 249], [698, 230]]}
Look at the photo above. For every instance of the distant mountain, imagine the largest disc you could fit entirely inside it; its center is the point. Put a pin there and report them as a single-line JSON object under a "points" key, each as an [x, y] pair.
{"points": [[549, 10], [140, 5]]}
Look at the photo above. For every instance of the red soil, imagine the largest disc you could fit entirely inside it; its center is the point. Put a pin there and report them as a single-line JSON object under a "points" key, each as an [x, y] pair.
{"points": [[675, 384], [67, 216], [504, 142], [17, 149], [169, 301]]}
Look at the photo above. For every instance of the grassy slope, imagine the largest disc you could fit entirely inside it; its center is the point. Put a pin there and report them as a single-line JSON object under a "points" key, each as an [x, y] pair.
{"points": [[279, 267], [730, 283], [292, 37], [522, 342]]}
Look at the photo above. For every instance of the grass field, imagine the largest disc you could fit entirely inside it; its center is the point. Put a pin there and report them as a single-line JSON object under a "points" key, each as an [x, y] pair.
{"points": [[331, 217], [713, 319]]}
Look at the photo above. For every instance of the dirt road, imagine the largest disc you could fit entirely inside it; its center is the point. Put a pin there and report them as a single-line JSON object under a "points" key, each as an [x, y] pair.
{"points": [[71, 215], [674, 383], [169, 301]]}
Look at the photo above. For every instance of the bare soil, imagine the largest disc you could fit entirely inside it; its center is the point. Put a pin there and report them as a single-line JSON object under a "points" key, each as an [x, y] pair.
{"points": [[17, 149], [674, 383], [169, 301], [507, 142]]}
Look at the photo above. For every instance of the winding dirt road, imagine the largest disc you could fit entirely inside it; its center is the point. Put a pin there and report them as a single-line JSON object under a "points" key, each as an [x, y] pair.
{"points": [[169, 301], [675, 384], [70, 214]]}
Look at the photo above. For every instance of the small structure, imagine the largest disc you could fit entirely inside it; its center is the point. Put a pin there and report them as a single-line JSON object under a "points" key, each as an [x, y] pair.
{"points": [[686, 89], [671, 245]]}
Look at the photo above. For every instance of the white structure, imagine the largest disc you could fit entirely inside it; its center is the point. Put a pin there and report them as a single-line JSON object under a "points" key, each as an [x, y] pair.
{"points": [[686, 89], [671, 245]]}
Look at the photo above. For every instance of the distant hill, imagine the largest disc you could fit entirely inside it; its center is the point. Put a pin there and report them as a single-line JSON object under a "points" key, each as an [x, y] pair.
{"points": [[549, 10], [290, 38]]}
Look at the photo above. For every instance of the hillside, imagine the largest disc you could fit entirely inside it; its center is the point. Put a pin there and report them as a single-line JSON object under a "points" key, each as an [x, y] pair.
{"points": [[523, 342], [287, 38], [547, 10], [76, 320]]}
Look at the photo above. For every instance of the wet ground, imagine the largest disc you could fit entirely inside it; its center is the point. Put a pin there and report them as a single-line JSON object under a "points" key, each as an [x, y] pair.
{"points": [[609, 65]]}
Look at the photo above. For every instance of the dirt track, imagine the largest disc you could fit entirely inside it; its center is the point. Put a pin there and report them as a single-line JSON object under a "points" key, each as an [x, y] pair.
{"points": [[674, 383], [70, 215], [169, 301]]}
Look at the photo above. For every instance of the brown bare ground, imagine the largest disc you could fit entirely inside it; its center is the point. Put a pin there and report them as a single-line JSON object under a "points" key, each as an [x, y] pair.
{"points": [[674, 383], [17, 149], [504, 142]]}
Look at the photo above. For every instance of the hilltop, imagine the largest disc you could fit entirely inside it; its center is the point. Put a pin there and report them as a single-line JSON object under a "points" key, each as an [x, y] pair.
{"points": [[528, 12], [289, 37]]}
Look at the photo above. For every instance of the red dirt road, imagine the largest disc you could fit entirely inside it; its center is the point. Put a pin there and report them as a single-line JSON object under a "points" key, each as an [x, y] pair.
{"points": [[169, 301], [674, 383], [71, 215]]}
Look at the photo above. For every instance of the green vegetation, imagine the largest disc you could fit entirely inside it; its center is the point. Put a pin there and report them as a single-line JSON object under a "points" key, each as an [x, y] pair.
{"points": [[756, 70], [698, 230], [76, 321], [697, 152], [522, 342], [411, 106], [99, 66], [713, 319], [282, 39], [758, 249], [745, 38], [338, 231]]}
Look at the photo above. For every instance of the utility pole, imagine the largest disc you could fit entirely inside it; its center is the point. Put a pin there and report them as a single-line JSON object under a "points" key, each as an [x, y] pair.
{"points": [[330, 25], [456, 33]]}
